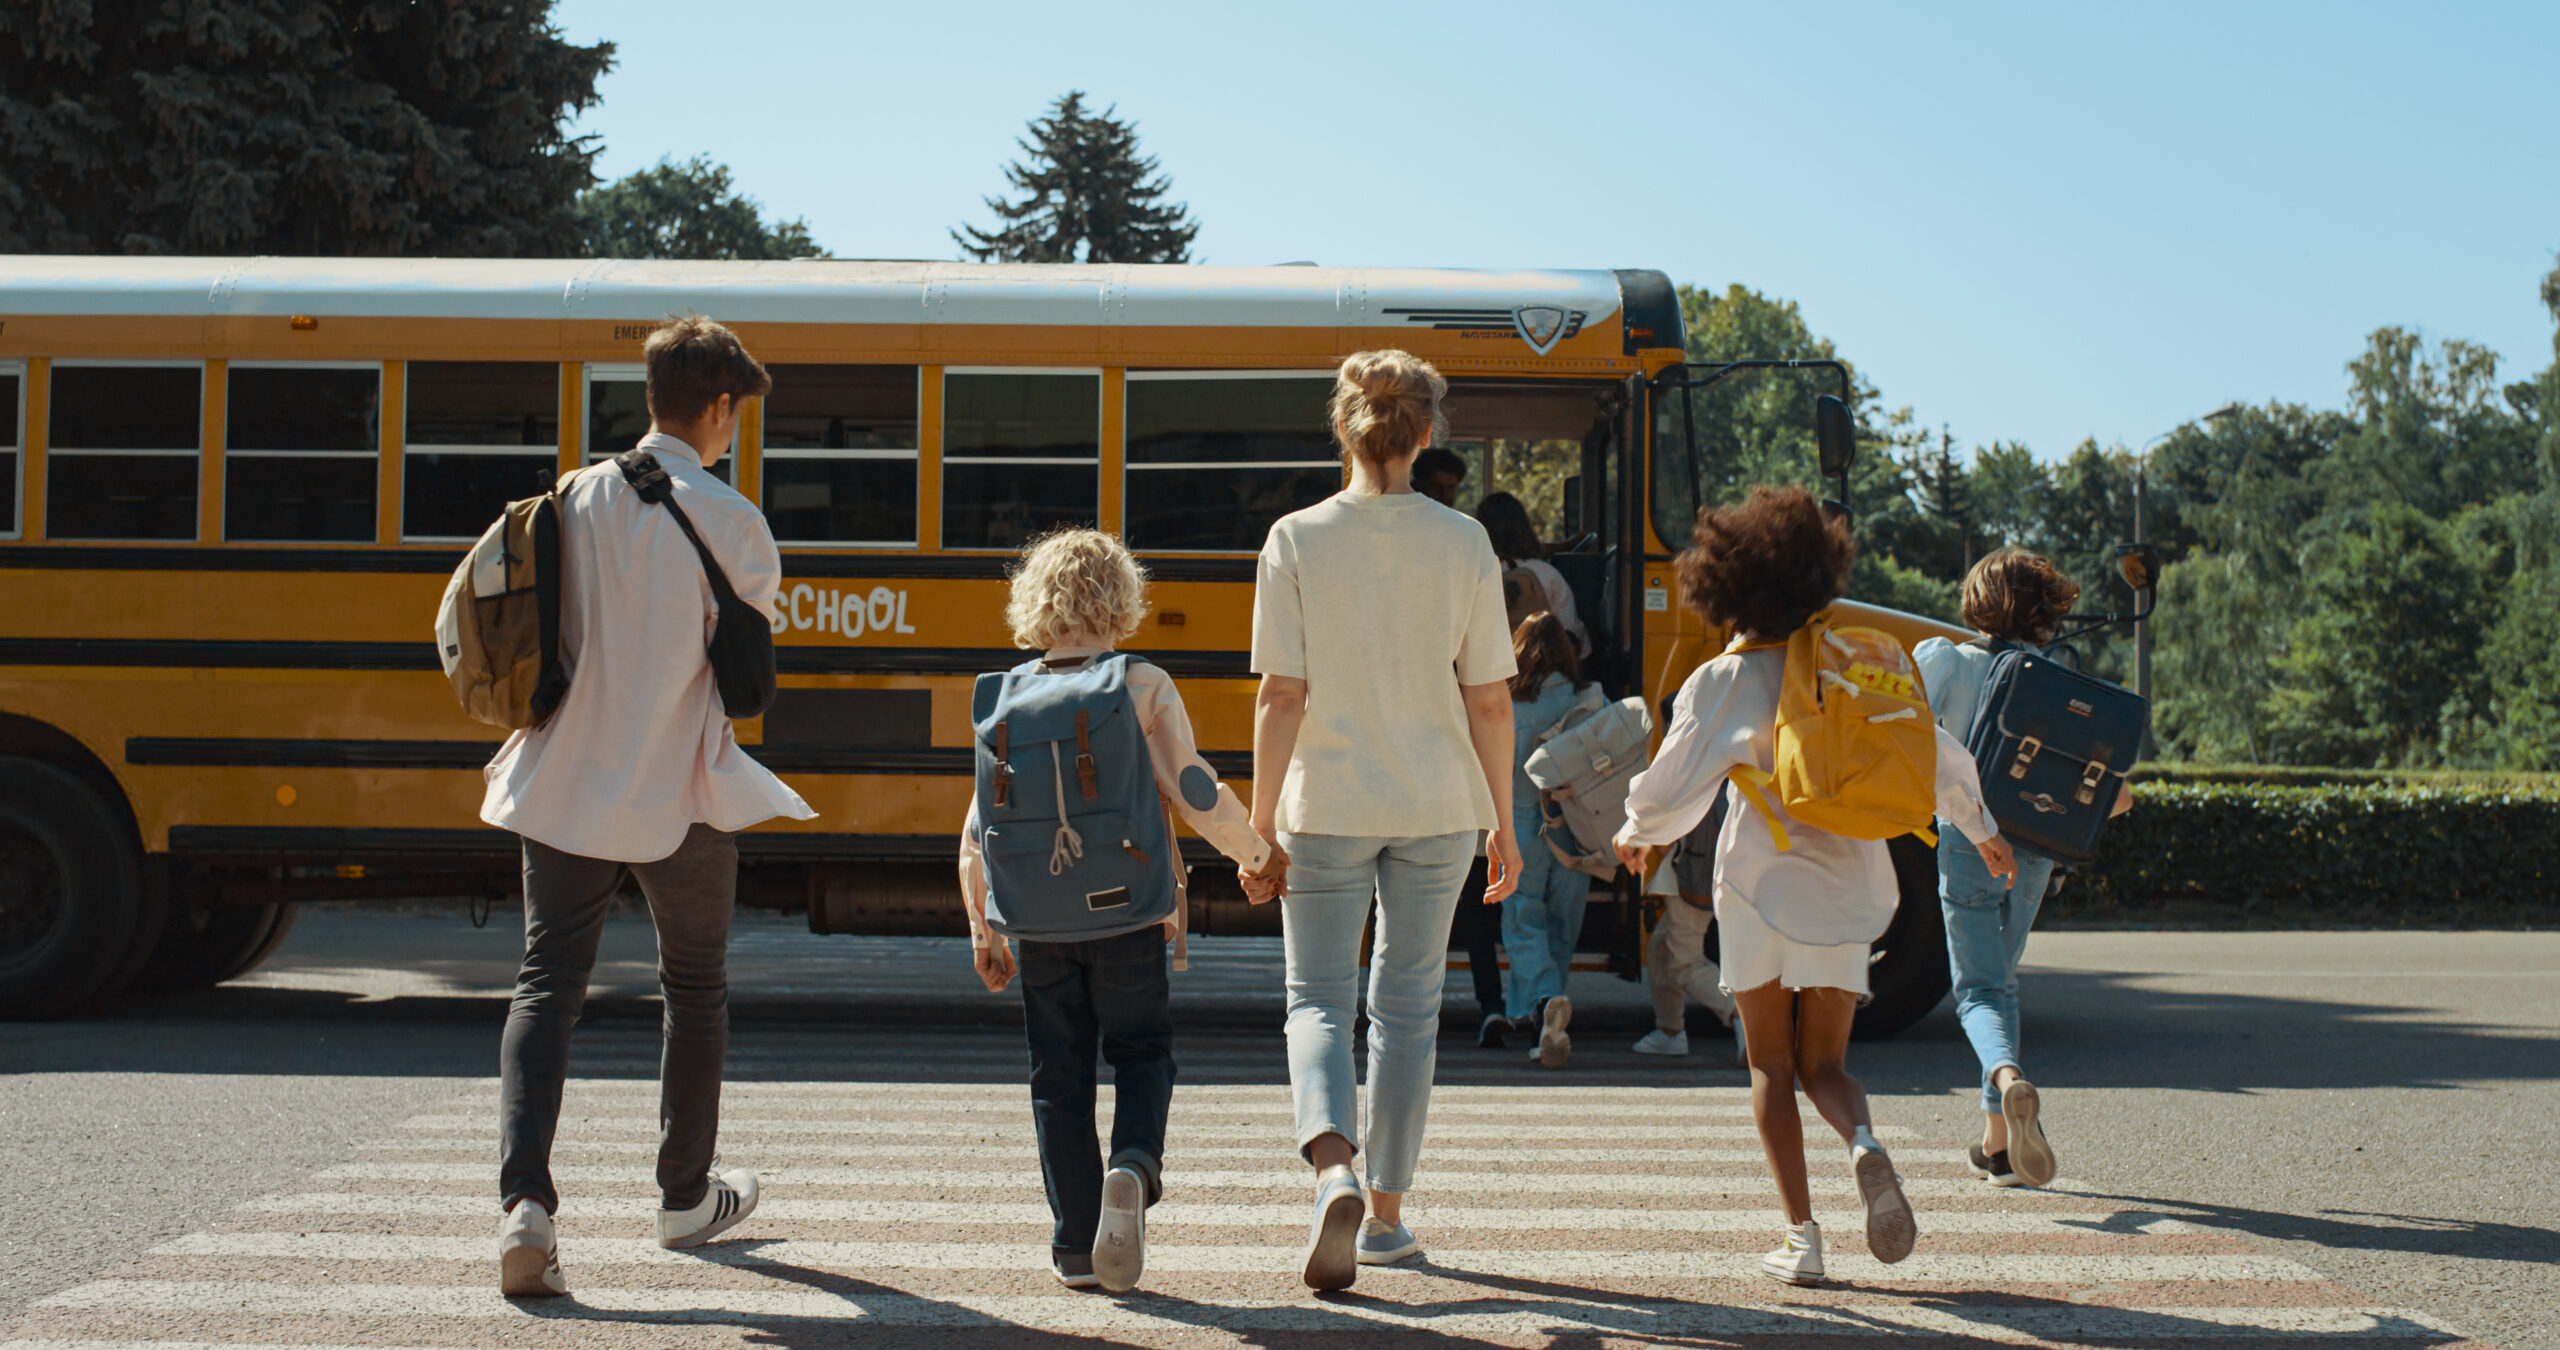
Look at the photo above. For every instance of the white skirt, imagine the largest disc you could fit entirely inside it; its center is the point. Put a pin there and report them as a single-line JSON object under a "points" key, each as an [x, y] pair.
{"points": [[1751, 954]]}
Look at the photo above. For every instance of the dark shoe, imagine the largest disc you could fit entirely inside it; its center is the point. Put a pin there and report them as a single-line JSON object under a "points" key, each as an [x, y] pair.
{"points": [[1495, 1031], [1992, 1167], [1074, 1270]]}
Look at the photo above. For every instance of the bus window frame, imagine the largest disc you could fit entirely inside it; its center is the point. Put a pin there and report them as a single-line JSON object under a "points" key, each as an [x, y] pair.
{"points": [[942, 442], [381, 392], [1128, 378], [626, 372], [16, 525], [560, 373], [52, 452], [766, 454]]}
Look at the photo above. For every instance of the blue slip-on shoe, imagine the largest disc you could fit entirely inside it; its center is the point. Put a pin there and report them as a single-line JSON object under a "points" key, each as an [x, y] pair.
{"points": [[1383, 1243], [1332, 1260]]}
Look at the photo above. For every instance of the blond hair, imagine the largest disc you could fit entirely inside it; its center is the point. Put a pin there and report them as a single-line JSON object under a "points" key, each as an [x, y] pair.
{"points": [[1385, 403], [1074, 582]]}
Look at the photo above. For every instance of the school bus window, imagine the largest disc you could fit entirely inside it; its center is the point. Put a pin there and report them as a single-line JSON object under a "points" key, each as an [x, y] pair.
{"points": [[478, 435], [1021, 454], [124, 451], [840, 455], [302, 446], [12, 422], [1214, 458], [618, 413]]}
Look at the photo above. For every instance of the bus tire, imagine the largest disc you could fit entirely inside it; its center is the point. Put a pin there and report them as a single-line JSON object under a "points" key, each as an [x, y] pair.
{"points": [[70, 890], [1907, 973], [204, 945]]}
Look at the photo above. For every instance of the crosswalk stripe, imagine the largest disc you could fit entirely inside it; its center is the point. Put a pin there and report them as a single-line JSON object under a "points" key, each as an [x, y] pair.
{"points": [[1015, 1145], [750, 1307], [1434, 1181], [639, 1123], [1034, 1215], [1500, 1100], [1172, 1258]]}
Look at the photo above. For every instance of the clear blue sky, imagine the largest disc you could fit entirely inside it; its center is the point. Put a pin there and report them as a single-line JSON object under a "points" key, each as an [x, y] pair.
{"points": [[2032, 222]]}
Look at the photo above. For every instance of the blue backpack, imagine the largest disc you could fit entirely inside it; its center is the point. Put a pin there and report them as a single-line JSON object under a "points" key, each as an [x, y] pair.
{"points": [[1076, 841]]}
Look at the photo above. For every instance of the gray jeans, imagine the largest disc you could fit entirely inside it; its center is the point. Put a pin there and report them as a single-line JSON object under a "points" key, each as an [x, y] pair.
{"points": [[566, 897]]}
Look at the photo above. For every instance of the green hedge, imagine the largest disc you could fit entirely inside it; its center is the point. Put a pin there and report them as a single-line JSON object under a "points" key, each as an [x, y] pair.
{"points": [[2366, 851], [2294, 775]]}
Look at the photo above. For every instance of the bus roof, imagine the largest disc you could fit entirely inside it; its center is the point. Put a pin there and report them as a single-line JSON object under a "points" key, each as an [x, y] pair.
{"points": [[801, 291]]}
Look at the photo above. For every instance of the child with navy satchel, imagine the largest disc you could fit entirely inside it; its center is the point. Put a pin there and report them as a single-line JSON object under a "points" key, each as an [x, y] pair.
{"points": [[1068, 851]]}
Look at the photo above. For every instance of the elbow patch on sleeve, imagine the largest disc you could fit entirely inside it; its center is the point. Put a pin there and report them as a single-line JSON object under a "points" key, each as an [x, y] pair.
{"points": [[1199, 790]]}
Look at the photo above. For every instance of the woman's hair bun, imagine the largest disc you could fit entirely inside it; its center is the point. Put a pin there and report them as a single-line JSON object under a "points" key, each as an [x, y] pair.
{"points": [[1385, 404]]}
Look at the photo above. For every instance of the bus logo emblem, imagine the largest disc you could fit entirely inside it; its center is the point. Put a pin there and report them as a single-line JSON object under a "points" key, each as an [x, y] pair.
{"points": [[1541, 326]]}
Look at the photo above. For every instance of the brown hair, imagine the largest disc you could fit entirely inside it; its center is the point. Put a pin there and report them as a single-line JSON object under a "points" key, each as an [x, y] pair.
{"points": [[2018, 595], [1764, 567], [692, 362], [1385, 403], [1506, 523], [1542, 648]]}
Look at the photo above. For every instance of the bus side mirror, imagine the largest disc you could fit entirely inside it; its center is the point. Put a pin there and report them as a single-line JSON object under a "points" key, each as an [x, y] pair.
{"points": [[2139, 565], [1835, 437]]}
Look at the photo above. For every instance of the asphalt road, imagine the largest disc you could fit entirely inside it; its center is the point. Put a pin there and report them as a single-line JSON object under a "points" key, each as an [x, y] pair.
{"points": [[2336, 1135]]}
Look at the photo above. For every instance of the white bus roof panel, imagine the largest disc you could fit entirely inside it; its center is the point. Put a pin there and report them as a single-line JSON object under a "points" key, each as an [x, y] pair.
{"points": [[801, 291]]}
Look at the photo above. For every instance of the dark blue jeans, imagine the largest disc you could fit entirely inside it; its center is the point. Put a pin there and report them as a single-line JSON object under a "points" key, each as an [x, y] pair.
{"points": [[1074, 994]]}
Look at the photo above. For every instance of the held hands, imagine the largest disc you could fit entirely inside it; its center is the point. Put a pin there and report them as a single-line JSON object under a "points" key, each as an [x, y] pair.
{"points": [[995, 963], [1502, 863], [1997, 857], [1272, 882]]}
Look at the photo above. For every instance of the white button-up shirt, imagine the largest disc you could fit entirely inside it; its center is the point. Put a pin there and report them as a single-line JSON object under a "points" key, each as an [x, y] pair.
{"points": [[639, 749]]}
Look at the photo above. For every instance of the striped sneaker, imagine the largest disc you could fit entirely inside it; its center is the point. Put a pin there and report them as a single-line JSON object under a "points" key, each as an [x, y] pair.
{"points": [[529, 1253], [727, 1204]]}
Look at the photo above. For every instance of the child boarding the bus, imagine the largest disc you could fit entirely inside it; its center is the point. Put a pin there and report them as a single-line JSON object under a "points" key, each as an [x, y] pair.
{"points": [[1067, 852], [2014, 598], [1796, 906]]}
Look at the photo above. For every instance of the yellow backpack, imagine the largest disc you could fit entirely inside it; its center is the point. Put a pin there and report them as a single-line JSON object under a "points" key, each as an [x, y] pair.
{"points": [[1857, 749]]}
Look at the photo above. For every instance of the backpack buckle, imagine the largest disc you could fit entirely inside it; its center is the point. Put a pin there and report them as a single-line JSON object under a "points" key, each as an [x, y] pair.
{"points": [[2090, 777], [1004, 766], [1088, 777], [2028, 749]]}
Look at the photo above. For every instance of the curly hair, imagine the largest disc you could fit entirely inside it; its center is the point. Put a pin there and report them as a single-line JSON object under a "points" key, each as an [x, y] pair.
{"points": [[1384, 403], [1765, 566], [2018, 595], [1072, 582]]}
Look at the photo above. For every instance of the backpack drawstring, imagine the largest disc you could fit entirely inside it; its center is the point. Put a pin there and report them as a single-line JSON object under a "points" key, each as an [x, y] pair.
{"points": [[1070, 845]]}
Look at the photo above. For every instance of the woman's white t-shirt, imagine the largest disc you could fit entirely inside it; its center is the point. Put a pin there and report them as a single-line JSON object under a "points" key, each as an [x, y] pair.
{"points": [[1384, 604]]}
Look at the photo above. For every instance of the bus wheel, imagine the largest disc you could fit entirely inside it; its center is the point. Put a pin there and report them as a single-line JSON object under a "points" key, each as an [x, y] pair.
{"points": [[1907, 973], [205, 945], [70, 890]]}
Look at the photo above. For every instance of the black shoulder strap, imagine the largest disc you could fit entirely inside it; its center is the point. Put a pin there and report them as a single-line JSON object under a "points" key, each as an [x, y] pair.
{"points": [[649, 478]]}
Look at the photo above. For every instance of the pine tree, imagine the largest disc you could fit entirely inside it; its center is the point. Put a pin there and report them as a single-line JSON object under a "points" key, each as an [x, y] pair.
{"points": [[292, 127], [1088, 196], [687, 210], [1944, 491]]}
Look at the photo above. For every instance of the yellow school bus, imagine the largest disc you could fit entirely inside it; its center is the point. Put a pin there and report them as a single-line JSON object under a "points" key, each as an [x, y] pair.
{"points": [[234, 489]]}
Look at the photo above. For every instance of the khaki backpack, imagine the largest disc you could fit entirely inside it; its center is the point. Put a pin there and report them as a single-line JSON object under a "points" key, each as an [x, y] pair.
{"points": [[498, 627], [1857, 748]]}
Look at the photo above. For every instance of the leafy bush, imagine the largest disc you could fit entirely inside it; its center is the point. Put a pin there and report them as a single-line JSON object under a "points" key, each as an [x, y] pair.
{"points": [[2350, 849], [2298, 775]]}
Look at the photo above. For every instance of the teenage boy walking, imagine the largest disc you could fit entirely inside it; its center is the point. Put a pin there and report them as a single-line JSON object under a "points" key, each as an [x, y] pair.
{"points": [[637, 773]]}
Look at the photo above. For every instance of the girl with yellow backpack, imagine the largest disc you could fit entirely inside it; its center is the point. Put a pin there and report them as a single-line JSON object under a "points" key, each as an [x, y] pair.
{"points": [[1824, 732]]}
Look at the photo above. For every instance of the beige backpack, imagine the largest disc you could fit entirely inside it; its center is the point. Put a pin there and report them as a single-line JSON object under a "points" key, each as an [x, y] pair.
{"points": [[498, 628]]}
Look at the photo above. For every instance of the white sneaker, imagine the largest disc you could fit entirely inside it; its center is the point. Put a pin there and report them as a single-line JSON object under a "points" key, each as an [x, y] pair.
{"points": [[529, 1253], [1705, 983], [1120, 1240], [1555, 1049], [1660, 1042], [1798, 1259], [1891, 1230], [727, 1204]]}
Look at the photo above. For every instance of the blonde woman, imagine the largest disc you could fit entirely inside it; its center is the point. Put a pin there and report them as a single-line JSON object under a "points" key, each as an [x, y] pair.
{"points": [[1076, 596], [1381, 748]]}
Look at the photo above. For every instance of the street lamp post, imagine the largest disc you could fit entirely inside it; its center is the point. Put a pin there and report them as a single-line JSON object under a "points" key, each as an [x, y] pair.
{"points": [[2142, 471]]}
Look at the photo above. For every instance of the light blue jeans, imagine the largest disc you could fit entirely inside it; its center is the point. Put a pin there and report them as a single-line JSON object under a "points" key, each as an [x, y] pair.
{"points": [[1987, 927], [1333, 879], [1541, 920]]}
